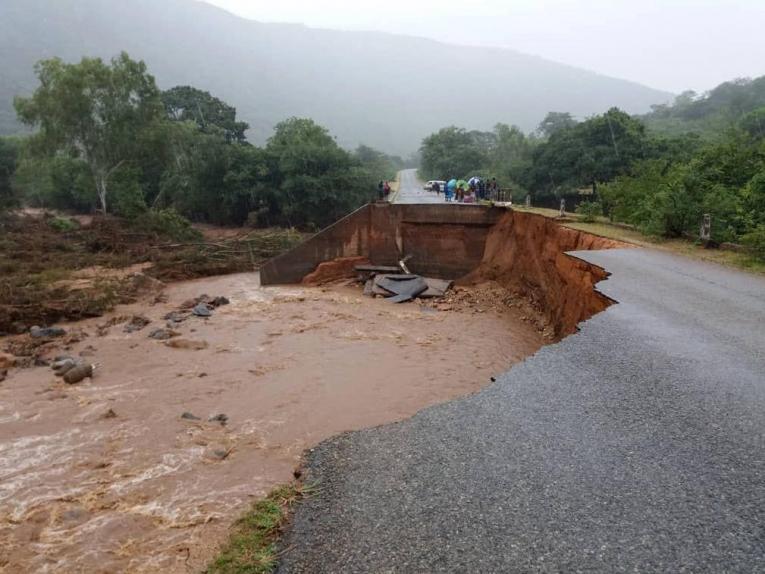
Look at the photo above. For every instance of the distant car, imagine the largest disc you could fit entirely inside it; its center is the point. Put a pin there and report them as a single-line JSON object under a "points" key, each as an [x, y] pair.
{"points": [[430, 186]]}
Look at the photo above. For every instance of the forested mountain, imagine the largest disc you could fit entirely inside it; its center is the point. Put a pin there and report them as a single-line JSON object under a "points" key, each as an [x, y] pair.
{"points": [[709, 114], [385, 90]]}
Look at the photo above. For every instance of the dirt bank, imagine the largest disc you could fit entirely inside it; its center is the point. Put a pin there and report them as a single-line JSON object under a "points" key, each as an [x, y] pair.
{"points": [[55, 267], [525, 253], [107, 476]]}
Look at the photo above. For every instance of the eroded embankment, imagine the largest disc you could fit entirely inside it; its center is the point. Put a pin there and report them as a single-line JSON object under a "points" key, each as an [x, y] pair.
{"points": [[526, 254]]}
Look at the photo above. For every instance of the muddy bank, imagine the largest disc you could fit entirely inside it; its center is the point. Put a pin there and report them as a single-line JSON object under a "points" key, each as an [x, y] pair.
{"points": [[526, 253], [55, 267], [107, 476]]}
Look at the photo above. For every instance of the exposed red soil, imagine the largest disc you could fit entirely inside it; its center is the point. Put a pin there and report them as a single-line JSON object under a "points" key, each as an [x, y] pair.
{"points": [[340, 268], [526, 254]]}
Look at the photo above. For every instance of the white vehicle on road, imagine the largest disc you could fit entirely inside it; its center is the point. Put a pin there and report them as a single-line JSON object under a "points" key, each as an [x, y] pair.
{"points": [[430, 186]]}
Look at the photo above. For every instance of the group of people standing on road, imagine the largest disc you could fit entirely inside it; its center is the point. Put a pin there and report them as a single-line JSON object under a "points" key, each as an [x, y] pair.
{"points": [[470, 191], [383, 190]]}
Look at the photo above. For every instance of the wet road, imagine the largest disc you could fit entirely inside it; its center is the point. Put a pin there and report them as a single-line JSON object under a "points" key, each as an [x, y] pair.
{"points": [[411, 191], [636, 445]]}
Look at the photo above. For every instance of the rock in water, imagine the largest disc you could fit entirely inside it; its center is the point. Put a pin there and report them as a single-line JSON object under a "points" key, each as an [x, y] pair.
{"points": [[163, 334], [222, 419], [61, 367], [78, 373], [202, 310], [187, 344], [136, 323], [46, 332]]}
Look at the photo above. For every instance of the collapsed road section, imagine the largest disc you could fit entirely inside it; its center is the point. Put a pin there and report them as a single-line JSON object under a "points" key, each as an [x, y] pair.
{"points": [[523, 252]]}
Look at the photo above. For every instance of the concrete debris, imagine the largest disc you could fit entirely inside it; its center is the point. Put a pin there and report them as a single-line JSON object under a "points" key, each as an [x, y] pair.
{"points": [[377, 269], [402, 291], [366, 272], [403, 266], [136, 323], [46, 332], [190, 417], [400, 288]]}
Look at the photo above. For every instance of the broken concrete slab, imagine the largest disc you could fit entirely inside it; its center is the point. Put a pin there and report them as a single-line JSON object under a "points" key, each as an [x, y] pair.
{"points": [[436, 287], [412, 289], [385, 269]]}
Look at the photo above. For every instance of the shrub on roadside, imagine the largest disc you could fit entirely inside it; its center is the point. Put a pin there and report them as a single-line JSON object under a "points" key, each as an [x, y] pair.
{"points": [[589, 210], [755, 240]]}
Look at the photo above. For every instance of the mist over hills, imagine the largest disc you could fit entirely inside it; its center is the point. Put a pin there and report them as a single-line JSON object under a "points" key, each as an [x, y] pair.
{"points": [[384, 90]]}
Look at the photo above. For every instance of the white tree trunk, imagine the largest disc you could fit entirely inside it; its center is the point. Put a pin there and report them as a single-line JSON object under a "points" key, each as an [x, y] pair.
{"points": [[102, 190]]}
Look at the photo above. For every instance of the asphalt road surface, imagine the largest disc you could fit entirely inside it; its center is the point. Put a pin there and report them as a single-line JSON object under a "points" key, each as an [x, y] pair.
{"points": [[411, 191], [636, 445]]}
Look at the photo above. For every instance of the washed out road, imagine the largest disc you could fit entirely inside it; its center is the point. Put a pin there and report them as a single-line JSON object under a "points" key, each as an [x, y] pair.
{"points": [[635, 445], [411, 190]]}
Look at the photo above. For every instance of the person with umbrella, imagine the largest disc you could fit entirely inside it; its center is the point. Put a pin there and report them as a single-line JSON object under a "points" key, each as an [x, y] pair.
{"points": [[450, 189]]}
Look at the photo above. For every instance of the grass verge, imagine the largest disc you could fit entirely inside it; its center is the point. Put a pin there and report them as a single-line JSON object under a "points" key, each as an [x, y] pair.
{"points": [[684, 247], [252, 547]]}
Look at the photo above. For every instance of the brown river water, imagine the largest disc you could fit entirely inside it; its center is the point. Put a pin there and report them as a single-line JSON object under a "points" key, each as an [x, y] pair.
{"points": [[82, 490]]}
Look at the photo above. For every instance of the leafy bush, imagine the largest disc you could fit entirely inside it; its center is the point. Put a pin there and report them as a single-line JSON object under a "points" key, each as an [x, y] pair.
{"points": [[589, 210], [167, 223], [755, 240], [126, 195], [63, 224]]}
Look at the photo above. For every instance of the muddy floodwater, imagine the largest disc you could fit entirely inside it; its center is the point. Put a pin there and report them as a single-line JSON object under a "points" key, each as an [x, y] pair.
{"points": [[106, 475]]}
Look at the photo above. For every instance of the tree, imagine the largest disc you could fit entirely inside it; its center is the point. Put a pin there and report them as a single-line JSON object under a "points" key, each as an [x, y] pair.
{"points": [[378, 164], [452, 152], [313, 181], [184, 103], [555, 122], [9, 151], [591, 152], [93, 111], [753, 123]]}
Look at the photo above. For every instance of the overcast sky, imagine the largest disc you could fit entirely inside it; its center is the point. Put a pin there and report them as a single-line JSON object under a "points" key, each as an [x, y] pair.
{"points": [[667, 44]]}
